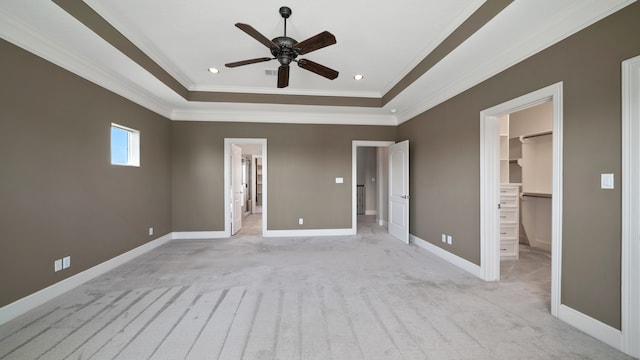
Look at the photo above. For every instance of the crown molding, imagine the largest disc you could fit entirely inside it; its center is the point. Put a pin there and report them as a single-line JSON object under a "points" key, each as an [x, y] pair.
{"points": [[564, 26], [444, 34], [141, 42], [425, 93], [298, 117], [17, 33], [285, 91]]}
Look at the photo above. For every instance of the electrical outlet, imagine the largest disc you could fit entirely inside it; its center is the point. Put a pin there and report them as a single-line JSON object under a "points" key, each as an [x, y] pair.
{"points": [[300, 221], [449, 239], [150, 231], [57, 265], [66, 262], [444, 238]]}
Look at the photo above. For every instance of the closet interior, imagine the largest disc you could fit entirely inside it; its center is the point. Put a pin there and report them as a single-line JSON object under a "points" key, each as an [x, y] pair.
{"points": [[526, 168]]}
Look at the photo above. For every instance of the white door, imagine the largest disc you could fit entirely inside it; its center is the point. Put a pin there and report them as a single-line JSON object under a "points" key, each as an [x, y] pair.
{"points": [[236, 189], [399, 190]]}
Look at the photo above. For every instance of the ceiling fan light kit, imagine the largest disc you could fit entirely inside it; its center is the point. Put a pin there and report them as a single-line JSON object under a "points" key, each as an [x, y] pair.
{"points": [[286, 50]]}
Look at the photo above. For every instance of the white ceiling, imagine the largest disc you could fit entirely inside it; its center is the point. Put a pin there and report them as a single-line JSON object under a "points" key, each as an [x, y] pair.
{"points": [[187, 40], [381, 40]]}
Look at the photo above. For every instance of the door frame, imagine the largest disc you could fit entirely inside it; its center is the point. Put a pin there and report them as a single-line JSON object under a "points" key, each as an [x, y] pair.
{"points": [[227, 180], [630, 206], [490, 184], [354, 175]]}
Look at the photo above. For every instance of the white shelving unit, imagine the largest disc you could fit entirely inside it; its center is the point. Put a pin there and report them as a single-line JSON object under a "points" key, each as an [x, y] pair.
{"points": [[259, 181], [509, 221], [509, 200], [504, 149]]}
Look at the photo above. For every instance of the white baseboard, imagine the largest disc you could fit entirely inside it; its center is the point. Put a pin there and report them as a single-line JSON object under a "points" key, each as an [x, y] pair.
{"points": [[591, 326], [382, 222], [193, 235], [182, 235], [29, 302], [310, 232], [447, 256], [371, 212]]}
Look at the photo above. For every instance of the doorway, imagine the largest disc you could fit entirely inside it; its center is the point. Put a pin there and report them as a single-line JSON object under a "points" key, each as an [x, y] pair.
{"points": [[490, 180], [383, 181], [245, 186]]}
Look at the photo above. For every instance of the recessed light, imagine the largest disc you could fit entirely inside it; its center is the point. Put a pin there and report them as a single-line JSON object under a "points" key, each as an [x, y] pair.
{"points": [[213, 70], [393, 111], [358, 77]]}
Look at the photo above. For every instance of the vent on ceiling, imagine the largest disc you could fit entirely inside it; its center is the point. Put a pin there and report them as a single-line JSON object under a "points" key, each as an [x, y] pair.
{"points": [[271, 72]]}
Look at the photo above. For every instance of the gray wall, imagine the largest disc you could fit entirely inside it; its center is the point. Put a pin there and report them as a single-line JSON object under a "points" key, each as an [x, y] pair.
{"points": [[445, 169], [59, 194], [303, 162]]}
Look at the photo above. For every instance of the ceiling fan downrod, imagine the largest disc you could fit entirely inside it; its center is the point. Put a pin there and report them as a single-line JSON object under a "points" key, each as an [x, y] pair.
{"points": [[285, 53], [285, 12]]}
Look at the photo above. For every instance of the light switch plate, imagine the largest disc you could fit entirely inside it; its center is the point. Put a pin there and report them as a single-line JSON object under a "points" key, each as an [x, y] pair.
{"points": [[57, 265], [339, 180], [606, 181], [66, 262]]}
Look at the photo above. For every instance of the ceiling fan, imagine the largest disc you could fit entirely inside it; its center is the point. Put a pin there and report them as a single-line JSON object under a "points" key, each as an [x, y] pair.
{"points": [[286, 50]]}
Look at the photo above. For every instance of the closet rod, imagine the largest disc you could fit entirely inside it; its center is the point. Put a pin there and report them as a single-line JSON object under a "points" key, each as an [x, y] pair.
{"points": [[539, 195], [536, 135]]}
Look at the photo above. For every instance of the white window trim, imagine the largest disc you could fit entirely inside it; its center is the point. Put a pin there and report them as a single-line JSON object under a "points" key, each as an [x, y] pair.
{"points": [[133, 146]]}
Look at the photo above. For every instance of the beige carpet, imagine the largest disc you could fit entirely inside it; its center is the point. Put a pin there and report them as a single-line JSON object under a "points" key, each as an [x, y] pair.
{"points": [[356, 297]]}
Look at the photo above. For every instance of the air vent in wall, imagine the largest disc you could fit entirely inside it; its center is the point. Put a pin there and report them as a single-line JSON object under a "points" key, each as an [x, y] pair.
{"points": [[271, 72]]}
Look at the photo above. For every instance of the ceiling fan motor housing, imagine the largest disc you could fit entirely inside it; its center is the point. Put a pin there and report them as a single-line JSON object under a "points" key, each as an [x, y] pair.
{"points": [[285, 52]]}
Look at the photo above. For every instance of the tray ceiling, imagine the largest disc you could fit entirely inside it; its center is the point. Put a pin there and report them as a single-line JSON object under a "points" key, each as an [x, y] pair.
{"points": [[413, 54]]}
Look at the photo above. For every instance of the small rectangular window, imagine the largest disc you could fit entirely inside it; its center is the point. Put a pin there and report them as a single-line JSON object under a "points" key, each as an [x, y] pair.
{"points": [[125, 146]]}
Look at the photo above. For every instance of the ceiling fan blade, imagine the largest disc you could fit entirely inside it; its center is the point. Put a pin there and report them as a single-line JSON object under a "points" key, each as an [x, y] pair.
{"points": [[256, 35], [247, 62], [313, 43], [318, 69], [283, 76]]}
